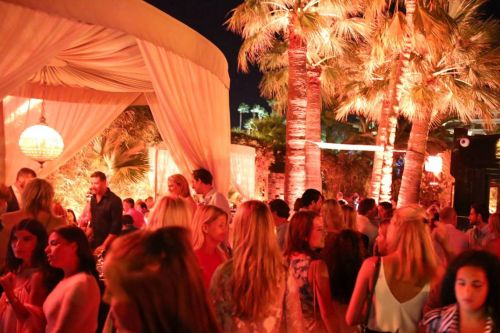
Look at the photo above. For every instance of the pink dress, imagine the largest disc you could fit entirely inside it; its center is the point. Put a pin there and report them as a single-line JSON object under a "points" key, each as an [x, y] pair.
{"points": [[73, 305]]}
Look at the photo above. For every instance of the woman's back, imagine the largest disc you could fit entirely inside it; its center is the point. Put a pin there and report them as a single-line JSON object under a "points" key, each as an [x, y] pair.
{"points": [[73, 305], [222, 296], [397, 303]]}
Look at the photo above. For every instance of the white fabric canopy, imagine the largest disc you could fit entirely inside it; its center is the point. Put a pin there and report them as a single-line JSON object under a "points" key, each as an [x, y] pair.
{"points": [[90, 65], [242, 169]]}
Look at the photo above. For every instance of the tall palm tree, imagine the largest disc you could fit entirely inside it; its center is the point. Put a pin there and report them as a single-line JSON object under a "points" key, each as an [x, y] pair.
{"points": [[459, 78], [303, 26], [385, 76], [243, 108], [313, 128]]}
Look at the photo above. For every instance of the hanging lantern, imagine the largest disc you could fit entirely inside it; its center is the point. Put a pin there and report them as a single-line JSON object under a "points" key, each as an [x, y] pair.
{"points": [[41, 142]]}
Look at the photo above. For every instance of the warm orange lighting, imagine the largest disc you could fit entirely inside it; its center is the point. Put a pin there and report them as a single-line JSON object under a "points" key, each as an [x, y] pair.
{"points": [[434, 164], [41, 143]]}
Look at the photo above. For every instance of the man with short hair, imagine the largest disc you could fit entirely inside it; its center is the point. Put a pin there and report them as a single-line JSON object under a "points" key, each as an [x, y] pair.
{"points": [[385, 210], [129, 209], [150, 202], [478, 219], [311, 200], [367, 212], [448, 241], [24, 175], [202, 184], [281, 212], [106, 213]]}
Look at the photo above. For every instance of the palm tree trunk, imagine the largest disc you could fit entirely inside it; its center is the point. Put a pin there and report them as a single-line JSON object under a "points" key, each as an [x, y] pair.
{"points": [[295, 117], [241, 116], [394, 96], [313, 128], [378, 158], [414, 161]]}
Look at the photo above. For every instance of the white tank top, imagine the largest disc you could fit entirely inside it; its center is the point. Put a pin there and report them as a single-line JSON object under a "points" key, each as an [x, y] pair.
{"points": [[389, 315]]}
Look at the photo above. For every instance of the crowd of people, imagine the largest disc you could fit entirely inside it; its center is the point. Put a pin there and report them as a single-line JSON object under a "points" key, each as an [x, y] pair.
{"points": [[177, 264]]}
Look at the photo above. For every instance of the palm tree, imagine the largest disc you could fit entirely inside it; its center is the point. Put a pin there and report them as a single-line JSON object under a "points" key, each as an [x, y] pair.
{"points": [[243, 108], [268, 25], [460, 78], [313, 128], [384, 76]]}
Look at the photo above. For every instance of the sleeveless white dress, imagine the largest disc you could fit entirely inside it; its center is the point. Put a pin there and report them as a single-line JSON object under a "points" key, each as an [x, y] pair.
{"points": [[389, 315]]}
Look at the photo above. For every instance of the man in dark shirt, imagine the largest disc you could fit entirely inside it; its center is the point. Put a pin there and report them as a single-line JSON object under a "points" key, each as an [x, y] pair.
{"points": [[106, 213], [24, 175]]}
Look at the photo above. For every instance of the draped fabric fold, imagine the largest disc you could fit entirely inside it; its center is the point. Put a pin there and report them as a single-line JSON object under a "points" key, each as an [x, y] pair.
{"points": [[90, 65], [29, 40], [78, 124], [191, 110], [243, 170]]}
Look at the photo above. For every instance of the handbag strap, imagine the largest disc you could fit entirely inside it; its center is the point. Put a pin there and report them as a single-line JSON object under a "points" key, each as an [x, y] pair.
{"points": [[372, 290]]}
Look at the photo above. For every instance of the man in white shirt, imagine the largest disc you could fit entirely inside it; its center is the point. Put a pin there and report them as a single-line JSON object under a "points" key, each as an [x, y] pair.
{"points": [[367, 212], [202, 184], [480, 231], [448, 241], [24, 175], [281, 212]]}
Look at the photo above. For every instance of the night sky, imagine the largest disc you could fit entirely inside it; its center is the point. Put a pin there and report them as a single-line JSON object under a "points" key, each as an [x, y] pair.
{"points": [[207, 17]]}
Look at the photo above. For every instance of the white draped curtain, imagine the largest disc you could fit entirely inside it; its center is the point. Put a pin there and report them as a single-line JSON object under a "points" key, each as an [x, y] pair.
{"points": [[29, 40], [190, 107], [77, 123], [243, 170], [92, 71]]}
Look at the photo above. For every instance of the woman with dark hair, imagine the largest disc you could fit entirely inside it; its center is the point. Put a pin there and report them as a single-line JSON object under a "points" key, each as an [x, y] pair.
{"points": [[306, 237], [71, 217], [26, 283], [37, 199], [343, 257], [73, 304], [470, 295], [154, 284]]}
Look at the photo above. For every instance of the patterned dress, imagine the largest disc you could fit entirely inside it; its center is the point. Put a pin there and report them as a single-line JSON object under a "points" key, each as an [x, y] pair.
{"points": [[223, 303], [445, 320], [299, 270]]}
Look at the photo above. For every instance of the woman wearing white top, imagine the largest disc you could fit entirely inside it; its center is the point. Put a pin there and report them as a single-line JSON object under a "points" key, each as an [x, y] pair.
{"points": [[74, 303], [403, 282]]}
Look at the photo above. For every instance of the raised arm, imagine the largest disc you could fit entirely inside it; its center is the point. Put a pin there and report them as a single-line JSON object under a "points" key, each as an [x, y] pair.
{"points": [[319, 278], [357, 305]]}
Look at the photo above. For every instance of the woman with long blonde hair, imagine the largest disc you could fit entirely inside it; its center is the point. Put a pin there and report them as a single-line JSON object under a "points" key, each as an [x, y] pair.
{"points": [[210, 227], [349, 215], [169, 211], [178, 186], [248, 290], [403, 283], [332, 215]]}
